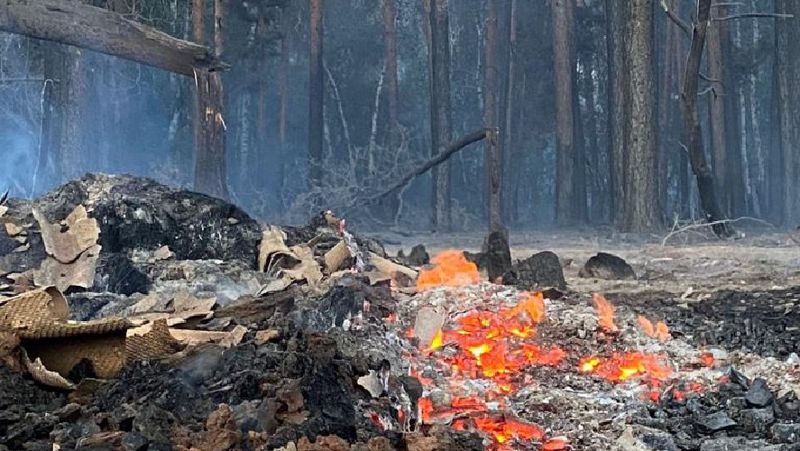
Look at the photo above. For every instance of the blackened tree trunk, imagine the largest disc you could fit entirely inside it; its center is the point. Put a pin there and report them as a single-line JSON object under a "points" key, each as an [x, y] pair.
{"points": [[440, 110], [641, 183], [61, 146], [568, 208], [390, 55], [104, 31], [717, 113], [283, 89], [510, 155], [788, 92], [210, 170], [316, 95], [617, 123], [492, 156], [691, 119]]}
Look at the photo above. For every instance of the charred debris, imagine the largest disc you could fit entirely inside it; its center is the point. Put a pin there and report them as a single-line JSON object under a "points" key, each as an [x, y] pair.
{"points": [[139, 317]]}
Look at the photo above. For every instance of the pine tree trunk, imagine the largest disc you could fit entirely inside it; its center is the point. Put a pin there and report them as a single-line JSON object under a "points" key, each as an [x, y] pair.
{"points": [[390, 48], [492, 156], [617, 123], [641, 179], [210, 173], [61, 124], [788, 74], [440, 110], [566, 148], [510, 153], [717, 113], [315, 95]]}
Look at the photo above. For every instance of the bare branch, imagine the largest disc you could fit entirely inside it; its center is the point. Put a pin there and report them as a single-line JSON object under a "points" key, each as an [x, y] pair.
{"points": [[753, 16], [701, 225], [705, 77], [678, 21], [705, 91]]}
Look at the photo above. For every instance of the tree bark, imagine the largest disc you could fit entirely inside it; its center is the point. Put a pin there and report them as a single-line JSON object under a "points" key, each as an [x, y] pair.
{"points": [[316, 95], [61, 146], [691, 118], [104, 31], [492, 156], [390, 48], [567, 210], [641, 183], [509, 156], [440, 110], [717, 113], [617, 123], [210, 173], [788, 75], [283, 89]]}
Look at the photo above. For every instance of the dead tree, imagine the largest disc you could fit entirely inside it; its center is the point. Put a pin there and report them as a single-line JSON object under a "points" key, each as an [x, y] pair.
{"points": [[440, 110], [698, 31], [210, 168], [108, 32], [104, 31], [493, 157]]}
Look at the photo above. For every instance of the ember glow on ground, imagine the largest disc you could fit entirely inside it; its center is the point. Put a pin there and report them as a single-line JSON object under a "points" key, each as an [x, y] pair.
{"points": [[497, 346]]}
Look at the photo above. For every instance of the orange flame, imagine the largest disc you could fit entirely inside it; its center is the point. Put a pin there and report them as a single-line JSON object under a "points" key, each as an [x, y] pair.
{"points": [[556, 444], [605, 312], [660, 331], [621, 367], [507, 429], [450, 268], [533, 305]]}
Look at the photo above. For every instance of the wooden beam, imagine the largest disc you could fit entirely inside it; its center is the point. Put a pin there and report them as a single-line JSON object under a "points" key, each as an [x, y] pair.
{"points": [[80, 25]]}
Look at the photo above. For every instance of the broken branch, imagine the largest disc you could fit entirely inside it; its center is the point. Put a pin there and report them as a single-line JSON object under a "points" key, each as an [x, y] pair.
{"points": [[448, 152], [675, 18]]}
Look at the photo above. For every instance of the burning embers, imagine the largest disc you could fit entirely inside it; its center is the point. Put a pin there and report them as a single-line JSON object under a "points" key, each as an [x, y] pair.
{"points": [[480, 359], [450, 268]]}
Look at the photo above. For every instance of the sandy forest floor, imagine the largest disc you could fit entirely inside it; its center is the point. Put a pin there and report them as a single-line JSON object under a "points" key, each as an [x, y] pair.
{"points": [[762, 260]]}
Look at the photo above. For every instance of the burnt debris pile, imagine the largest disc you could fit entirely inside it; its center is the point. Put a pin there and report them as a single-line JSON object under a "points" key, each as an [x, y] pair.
{"points": [[138, 317]]}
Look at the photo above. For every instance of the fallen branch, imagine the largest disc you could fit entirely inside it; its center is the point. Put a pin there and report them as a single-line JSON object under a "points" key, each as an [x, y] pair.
{"points": [[676, 231], [464, 141]]}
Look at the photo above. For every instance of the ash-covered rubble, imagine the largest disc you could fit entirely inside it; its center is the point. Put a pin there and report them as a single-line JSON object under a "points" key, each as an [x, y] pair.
{"points": [[184, 324], [176, 336]]}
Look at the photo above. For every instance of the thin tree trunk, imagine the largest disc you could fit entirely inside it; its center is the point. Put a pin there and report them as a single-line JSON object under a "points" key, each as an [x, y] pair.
{"points": [[316, 95], [697, 157], [788, 78], [492, 156], [566, 148], [283, 90], [510, 156], [390, 48], [641, 181], [440, 110]]}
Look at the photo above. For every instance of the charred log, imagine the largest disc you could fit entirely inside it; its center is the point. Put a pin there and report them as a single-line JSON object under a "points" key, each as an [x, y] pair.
{"points": [[104, 31]]}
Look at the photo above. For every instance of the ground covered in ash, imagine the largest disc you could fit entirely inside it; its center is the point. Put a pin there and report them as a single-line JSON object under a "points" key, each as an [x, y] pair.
{"points": [[360, 361]]}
